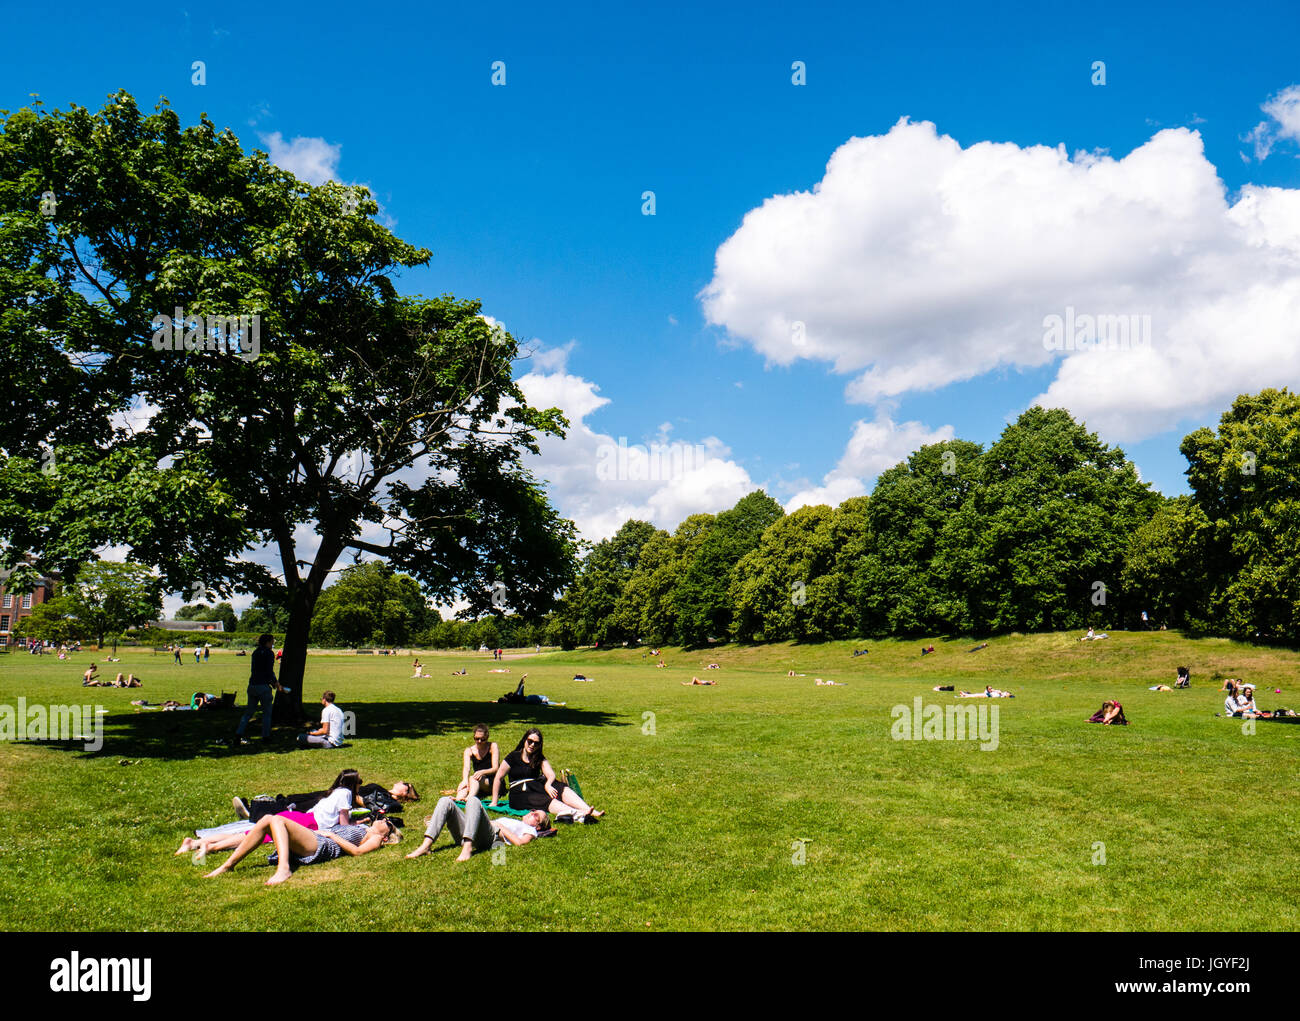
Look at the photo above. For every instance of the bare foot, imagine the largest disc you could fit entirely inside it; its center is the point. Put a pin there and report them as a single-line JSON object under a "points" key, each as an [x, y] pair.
{"points": [[422, 850], [596, 813], [464, 855], [187, 845], [281, 874], [221, 869]]}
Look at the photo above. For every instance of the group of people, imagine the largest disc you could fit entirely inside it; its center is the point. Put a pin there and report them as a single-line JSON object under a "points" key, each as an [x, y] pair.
{"points": [[319, 826], [202, 653], [90, 680], [1241, 700]]}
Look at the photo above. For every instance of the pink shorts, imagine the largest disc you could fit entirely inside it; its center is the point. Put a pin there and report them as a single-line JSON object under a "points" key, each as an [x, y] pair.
{"points": [[301, 818]]}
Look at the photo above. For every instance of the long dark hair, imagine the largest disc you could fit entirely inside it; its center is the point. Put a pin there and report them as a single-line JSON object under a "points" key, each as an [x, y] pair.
{"points": [[539, 756], [349, 778]]}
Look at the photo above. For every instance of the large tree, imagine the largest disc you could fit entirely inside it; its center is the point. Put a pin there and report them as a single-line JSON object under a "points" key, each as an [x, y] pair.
{"points": [[108, 599], [1039, 543], [1246, 481], [338, 410]]}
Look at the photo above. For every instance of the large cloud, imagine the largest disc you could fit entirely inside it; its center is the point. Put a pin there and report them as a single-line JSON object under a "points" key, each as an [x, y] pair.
{"points": [[601, 481], [874, 447], [915, 263]]}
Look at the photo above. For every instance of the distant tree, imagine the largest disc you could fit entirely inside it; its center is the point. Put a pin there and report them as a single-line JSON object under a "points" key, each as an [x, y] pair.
{"points": [[50, 621], [1039, 543], [896, 587], [591, 601], [702, 594], [1166, 564], [1246, 481], [108, 598]]}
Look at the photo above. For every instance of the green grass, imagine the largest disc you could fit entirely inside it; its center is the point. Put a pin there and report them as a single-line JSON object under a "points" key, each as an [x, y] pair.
{"points": [[703, 812]]}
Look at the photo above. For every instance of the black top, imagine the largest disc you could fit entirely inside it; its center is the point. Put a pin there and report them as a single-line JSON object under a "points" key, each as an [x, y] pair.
{"points": [[521, 770], [476, 763], [263, 667]]}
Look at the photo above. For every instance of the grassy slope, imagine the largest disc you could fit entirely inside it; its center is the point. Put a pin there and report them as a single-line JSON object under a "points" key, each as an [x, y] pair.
{"points": [[703, 812]]}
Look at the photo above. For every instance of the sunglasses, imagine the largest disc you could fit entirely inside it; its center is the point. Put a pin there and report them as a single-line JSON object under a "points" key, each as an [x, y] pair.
{"points": [[530, 740]]}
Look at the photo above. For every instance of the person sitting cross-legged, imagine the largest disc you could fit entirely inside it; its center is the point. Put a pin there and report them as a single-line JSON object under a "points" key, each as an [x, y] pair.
{"points": [[474, 831], [330, 732]]}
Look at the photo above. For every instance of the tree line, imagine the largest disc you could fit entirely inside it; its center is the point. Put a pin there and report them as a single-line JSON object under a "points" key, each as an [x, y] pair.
{"points": [[1047, 529]]}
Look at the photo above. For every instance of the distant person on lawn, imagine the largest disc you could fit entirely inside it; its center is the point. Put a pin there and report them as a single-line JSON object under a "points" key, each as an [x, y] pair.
{"points": [[1109, 713], [330, 732], [261, 684]]}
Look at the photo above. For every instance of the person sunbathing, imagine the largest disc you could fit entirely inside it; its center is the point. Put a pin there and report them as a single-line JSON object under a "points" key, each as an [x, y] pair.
{"points": [[695, 680], [1160, 687], [988, 692], [456, 673], [479, 763], [88, 678], [229, 836], [982, 645], [296, 845], [518, 696], [713, 666], [829, 684], [1109, 713], [791, 673], [926, 650], [660, 665], [532, 783], [1246, 705], [474, 831]]}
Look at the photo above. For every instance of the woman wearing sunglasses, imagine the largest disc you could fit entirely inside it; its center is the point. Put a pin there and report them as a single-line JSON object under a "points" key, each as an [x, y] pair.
{"points": [[479, 762], [533, 785]]}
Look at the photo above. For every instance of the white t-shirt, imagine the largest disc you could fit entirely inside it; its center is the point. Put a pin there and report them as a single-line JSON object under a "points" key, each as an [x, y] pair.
{"points": [[327, 809], [517, 827], [332, 716]]}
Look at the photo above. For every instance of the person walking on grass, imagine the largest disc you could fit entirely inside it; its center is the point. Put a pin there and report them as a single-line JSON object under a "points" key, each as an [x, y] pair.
{"points": [[261, 683]]}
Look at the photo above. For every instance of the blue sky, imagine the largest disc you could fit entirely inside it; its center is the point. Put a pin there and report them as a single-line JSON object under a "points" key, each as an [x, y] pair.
{"points": [[530, 196]]}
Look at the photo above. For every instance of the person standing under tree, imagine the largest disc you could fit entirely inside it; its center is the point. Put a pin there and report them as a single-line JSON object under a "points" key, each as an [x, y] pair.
{"points": [[261, 682]]}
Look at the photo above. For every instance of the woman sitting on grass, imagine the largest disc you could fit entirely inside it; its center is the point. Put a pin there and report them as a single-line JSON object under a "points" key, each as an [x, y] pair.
{"points": [[296, 845], [533, 785], [478, 764], [1109, 713]]}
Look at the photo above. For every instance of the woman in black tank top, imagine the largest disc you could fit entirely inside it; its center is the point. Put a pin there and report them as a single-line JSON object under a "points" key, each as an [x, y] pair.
{"points": [[480, 761], [533, 786]]}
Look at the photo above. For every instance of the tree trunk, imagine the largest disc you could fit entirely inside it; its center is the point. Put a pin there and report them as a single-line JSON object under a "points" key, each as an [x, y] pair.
{"points": [[293, 667]]}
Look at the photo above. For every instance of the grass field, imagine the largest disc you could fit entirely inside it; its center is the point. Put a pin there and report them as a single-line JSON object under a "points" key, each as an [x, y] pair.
{"points": [[706, 807]]}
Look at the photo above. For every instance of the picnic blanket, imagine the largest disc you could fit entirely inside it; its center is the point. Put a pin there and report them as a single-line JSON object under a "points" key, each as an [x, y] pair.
{"points": [[503, 808]]}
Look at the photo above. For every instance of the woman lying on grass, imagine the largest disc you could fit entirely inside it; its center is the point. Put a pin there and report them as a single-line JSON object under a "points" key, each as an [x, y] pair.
{"points": [[229, 840], [1109, 713], [296, 845], [696, 680], [988, 692]]}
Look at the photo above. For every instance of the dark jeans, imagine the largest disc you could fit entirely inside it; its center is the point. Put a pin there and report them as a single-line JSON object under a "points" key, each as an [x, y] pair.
{"points": [[258, 694]]}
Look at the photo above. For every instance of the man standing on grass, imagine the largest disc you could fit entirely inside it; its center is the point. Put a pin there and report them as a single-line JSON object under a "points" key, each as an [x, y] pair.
{"points": [[330, 733], [261, 682]]}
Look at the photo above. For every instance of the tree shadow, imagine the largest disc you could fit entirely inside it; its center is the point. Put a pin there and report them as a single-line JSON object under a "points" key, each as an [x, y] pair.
{"points": [[193, 735]]}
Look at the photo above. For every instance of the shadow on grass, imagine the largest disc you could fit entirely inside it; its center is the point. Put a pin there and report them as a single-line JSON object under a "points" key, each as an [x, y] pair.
{"points": [[191, 735]]}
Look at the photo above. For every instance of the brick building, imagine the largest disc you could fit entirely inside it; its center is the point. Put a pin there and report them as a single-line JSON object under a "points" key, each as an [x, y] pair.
{"points": [[15, 606]]}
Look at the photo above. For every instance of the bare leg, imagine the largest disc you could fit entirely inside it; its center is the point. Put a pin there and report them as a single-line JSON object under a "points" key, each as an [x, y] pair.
{"points": [[573, 801], [250, 840]]}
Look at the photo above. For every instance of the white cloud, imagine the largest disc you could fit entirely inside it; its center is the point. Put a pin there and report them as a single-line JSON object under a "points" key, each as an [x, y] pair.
{"points": [[601, 481], [915, 263], [1284, 112], [873, 448], [312, 159]]}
